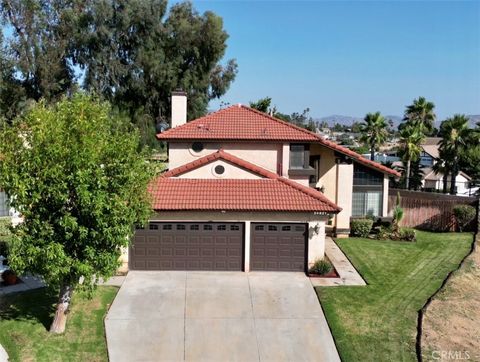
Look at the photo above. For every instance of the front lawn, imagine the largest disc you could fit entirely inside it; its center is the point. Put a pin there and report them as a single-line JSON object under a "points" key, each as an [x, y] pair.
{"points": [[26, 317], [378, 322]]}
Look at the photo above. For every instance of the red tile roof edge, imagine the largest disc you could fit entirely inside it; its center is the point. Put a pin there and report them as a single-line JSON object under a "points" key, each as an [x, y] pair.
{"points": [[221, 154], [311, 135], [330, 144]]}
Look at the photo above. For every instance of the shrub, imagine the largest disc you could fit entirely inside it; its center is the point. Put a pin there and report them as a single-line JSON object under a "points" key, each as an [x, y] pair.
{"points": [[321, 267], [361, 227], [464, 214], [384, 232], [397, 215], [407, 234]]}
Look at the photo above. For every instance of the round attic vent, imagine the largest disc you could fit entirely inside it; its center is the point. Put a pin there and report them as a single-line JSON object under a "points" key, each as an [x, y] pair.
{"points": [[219, 170], [197, 147]]}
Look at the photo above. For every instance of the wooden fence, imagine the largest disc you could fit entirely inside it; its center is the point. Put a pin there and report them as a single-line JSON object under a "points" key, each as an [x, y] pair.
{"points": [[428, 210]]}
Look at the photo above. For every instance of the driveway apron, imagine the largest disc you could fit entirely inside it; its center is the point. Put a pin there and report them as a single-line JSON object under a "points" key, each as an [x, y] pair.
{"points": [[217, 316]]}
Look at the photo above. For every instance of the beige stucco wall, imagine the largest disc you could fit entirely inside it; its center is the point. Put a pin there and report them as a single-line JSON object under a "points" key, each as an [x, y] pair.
{"points": [[302, 180], [316, 241], [385, 196], [328, 175], [285, 159], [266, 155], [337, 183], [179, 109], [231, 172], [344, 198], [236, 216]]}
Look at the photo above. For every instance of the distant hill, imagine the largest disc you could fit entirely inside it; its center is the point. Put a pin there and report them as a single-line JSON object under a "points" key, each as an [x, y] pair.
{"points": [[343, 120], [348, 120], [474, 119]]}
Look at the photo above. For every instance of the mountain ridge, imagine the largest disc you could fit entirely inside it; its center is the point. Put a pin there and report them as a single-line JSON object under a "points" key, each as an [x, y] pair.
{"points": [[348, 120]]}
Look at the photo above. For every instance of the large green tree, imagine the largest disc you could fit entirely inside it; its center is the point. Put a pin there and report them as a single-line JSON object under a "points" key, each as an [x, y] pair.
{"points": [[263, 105], [38, 50], [374, 132], [455, 139], [469, 160], [131, 53], [75, 173], [302, 119]]}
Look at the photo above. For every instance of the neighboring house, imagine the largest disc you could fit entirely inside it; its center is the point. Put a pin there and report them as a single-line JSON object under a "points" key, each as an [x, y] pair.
{"points": [[246, 191], [432, 181], [4, 208], [430, 152]]}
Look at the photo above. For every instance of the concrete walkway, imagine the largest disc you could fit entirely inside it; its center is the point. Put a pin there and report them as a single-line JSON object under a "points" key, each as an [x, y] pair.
{"points": [[3, 354], [29, 282], [217, 316], [347, 272]]}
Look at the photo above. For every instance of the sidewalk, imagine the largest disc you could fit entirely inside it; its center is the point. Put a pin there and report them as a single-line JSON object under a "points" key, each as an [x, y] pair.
{"points": [[28, 282], [347, 272]]}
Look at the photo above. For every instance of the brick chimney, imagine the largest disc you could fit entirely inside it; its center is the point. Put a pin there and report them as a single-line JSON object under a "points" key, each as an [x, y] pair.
{"points": [[179, 108]]}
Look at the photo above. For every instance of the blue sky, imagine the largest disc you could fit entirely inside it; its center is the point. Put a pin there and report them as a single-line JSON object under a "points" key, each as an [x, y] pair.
{"points": [[351, 58]]}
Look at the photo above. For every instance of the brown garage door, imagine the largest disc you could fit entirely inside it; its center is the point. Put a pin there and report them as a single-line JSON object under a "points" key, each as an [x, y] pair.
{"points": [[278, 247], [188, 246]]}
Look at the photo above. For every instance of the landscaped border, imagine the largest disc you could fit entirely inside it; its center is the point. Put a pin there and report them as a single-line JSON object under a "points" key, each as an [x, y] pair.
{"points": [[421, 312]]}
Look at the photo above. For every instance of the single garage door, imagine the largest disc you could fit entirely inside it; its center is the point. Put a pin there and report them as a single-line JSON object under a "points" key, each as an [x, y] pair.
{"points": [[278, 247], [188, 246]]}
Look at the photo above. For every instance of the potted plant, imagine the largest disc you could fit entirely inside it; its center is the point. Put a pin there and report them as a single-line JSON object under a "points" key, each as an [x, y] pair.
{"points": [[9, 277]]}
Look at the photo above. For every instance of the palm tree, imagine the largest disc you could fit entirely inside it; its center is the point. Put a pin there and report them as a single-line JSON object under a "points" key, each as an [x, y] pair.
{"points": [[374, 132], [421, 113], [455, 136], [410, 139], [440, 167]]}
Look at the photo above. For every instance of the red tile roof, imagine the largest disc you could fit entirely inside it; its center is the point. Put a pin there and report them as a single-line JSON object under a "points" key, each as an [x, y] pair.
{"points": [[238, 123], [241, 123], [270, 193], [358, 158]]}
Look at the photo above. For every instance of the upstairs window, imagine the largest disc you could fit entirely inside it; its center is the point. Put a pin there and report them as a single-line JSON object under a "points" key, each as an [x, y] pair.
{"points": [[367, 198], [299, 156]]}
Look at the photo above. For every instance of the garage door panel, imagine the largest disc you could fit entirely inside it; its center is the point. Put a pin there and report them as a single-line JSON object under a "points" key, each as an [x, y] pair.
{"points": [[194, 252], [152, 251], [235, 253], [188, 246], [166, 251], [139, 251], [165, 238], [278, 247], [179, 252]]}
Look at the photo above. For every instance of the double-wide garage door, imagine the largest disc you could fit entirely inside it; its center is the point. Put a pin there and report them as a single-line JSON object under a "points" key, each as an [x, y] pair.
{"points": [[188, 246], [219, 246]]}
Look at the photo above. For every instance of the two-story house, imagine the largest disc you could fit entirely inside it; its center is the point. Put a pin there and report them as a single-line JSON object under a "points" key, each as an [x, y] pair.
{"points": [[434, 181], [246, 191]]}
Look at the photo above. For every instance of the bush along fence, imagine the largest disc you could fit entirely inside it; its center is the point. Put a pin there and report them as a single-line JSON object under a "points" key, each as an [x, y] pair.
{"points": [[428, 211], [421, 312]]}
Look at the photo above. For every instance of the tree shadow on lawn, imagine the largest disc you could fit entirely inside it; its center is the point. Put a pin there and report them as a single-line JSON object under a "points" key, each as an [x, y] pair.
{"points": [[36, 306]]}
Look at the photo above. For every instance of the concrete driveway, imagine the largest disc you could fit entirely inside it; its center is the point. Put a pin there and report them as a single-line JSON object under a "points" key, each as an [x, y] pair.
{"points": [[217, 316]]}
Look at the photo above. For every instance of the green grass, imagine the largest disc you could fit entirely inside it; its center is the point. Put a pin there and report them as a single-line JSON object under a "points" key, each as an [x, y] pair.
{"points": [[26, 317], [378, 322]]}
